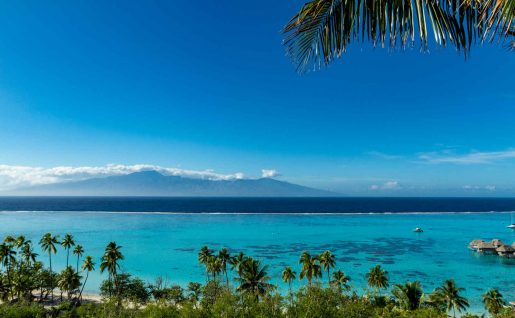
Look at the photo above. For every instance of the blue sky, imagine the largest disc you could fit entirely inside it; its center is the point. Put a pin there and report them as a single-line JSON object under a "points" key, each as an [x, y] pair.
{"points": [[206, 85]]}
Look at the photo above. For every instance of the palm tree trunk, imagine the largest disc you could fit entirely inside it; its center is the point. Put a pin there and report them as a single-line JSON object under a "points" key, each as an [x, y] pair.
{"points": [[51, 276], [83, 285], [77, 263], [328, 277], [291, 295], [226, 278], [9, 277], [67, 256], [110, 285]]}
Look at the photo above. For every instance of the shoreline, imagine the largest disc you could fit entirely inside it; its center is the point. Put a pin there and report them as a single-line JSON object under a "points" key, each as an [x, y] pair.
{"points": [[258, 213]]}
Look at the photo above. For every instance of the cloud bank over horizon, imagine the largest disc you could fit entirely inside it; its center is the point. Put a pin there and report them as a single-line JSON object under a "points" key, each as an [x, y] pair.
{"points": [[12, 177]]}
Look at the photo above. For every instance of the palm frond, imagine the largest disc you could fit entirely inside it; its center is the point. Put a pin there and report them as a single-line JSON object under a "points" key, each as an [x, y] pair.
{"points": [[322, 30]]}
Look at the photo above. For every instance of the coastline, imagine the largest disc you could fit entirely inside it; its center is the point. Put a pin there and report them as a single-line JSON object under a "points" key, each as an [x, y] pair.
{"points": [[260, 213]]}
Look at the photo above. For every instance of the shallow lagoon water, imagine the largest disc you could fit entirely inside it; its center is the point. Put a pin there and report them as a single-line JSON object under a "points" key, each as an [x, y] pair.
{"points": [[166, 244]]}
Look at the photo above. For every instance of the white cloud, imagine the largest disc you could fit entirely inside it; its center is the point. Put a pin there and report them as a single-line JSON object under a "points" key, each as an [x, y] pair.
{"points": [[478, 187], [490, 187], [389, 185], [383, 155], [470, 158], [269, 173], [21, 176]]}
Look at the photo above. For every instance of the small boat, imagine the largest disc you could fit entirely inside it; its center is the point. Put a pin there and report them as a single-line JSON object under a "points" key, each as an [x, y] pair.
{"points": [[512, 225], [418, 230]]}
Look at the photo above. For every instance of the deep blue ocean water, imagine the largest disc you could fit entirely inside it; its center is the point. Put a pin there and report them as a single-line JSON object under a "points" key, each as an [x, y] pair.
{"points": [[157, 243], [257, 205]]}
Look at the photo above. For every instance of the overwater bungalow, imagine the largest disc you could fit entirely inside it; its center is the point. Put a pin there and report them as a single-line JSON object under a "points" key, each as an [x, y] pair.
{"points": [[496, 246], [505, 251], [474, 243], [486, 248], [497, 243]]}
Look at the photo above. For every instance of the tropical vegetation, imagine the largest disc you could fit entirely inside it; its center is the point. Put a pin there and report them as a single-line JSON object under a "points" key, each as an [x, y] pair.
{"points": [[323, 30], [236, 285]]}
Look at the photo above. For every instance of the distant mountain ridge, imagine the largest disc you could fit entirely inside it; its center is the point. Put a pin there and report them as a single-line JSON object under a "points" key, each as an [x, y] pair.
{"points": [[153, 183]]}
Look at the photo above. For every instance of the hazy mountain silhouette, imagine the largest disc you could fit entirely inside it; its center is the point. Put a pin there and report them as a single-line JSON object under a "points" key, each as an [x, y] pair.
{"points": [[153, 183]]}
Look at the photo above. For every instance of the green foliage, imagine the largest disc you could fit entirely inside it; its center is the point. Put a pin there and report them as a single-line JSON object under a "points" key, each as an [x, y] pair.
{"points": [[125, 287], [22, 311], [506, 313], [311, 269], [323, 29], [494, 301], [409, 295], [449, 295], [69, 281], [25, 285], [377, 278], [315, 301]]}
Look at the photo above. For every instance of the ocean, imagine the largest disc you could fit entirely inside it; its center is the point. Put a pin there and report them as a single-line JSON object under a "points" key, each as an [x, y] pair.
{"points": [[161, 236]]}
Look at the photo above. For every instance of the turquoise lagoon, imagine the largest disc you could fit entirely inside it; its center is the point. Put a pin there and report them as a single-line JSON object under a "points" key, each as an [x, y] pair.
{"points": [[166, 244]]}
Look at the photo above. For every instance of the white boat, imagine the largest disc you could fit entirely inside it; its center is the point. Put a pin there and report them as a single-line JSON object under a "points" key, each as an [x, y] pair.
{"points": [[418, 230], [512, 225]]}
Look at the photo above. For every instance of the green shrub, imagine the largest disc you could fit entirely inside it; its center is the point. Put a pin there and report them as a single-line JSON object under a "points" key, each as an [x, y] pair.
{"points": [[22, 311]]}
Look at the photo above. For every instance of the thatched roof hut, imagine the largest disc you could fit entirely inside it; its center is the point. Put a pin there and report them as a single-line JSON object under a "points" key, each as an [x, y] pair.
{"points": [[474, 244], [497, 243], [486, 247], [505, 250]]}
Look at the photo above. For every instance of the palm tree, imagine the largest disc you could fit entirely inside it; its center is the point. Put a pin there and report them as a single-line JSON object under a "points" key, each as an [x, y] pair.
{"points": [[78, 250], [67, 243], [203, 258], [254, 278], [224, 256], [236, 261], [88, 265], [377, 278], [7, 258], [48, 243], [493, 301], [409, 295], [110, 262], [449, 294], [288, 275], [21, 241], [195, 290], [327, 261], [69, 281], [340, 280], [310, 267], [28, 254], [321, 31], [214, 266]]}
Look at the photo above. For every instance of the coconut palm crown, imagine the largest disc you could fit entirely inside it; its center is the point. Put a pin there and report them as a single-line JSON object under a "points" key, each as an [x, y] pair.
{"points": [[322, 30], [449, 294], [377, 278], [494, 301]]}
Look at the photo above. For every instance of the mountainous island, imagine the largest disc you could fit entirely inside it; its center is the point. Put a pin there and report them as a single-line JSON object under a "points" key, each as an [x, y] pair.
{"points": [[153, 183]]}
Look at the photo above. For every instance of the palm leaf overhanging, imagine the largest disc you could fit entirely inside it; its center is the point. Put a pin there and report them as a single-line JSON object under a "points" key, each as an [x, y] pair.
{"points": [[322, 29]]}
